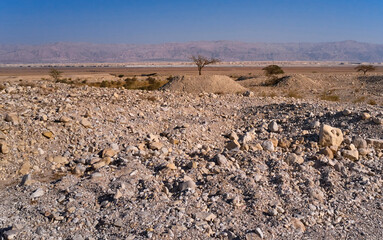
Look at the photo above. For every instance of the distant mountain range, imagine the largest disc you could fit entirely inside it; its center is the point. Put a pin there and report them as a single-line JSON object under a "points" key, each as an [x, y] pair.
{"points": [[66, 52]]}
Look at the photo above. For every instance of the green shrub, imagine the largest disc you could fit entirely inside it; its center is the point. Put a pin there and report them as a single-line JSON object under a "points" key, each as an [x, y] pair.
{"points": [[104, 84], [273, 70]]}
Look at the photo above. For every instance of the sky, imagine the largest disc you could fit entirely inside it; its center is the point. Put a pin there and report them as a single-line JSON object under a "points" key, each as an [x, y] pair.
{"points": [[159, 21]]}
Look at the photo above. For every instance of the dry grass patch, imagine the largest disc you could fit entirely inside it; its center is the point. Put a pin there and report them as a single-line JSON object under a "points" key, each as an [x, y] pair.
{"points": [[327, 97], [149, 83], [359, 99], [293, 94], [372, 102], [27, 84]]}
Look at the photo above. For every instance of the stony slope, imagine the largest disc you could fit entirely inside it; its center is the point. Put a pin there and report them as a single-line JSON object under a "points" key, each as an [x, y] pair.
{"points": [[96, 163], [206, 83]]}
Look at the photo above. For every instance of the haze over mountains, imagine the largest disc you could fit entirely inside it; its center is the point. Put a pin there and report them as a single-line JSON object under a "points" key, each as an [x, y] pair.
{"points": [[226, 50]]}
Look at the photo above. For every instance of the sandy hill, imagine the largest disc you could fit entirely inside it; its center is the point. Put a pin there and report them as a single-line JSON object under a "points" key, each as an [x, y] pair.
{"points": [[198, 84]]}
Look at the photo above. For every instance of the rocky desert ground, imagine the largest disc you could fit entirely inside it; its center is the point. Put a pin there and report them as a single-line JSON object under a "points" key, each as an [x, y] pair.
{"points": [[240, 161]]}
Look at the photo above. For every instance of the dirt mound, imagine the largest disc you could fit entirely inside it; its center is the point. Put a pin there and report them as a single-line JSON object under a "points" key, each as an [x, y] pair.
{"points": [[297, 81], [198, 84]]}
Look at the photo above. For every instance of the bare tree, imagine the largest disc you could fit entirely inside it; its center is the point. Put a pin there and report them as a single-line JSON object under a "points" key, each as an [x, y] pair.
{"points": [[55, 74], [202, 61], [365, 68]]}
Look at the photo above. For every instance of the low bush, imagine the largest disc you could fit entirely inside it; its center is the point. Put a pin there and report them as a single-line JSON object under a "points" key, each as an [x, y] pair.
{"points": [[329, 97]]}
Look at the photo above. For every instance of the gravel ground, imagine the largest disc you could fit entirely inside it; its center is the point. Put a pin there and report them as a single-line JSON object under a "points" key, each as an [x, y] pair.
{"points": [[96, 163]]}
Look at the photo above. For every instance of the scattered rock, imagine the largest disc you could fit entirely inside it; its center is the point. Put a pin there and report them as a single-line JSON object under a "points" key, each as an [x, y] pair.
{"points": [[79, 170], [4, 148], [108, 152], [259, 232], [26, 180], [25, 168], [248, 94], [315, 124], [171, 166], [327, 152], [292, 158], [378, 120], [190, 184], [86, 123], [221, 160], [37, 193], [10, 234], [48, 134], [268, 145], [346, 112], [273, 127], [233, 136], [376, 143], [12, 117], [365, 116], [234, 144], [352, 154], [64, 119], [156, 145], [359, 142], [155, 165], [60, 160], [298, 225], [284, 143], [329, 136]]}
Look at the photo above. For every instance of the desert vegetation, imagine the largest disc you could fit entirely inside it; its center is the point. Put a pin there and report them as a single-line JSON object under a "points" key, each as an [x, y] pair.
{"points": [[96, 155], [202, 61], [149, 83], [55, 74], [365, 68]]}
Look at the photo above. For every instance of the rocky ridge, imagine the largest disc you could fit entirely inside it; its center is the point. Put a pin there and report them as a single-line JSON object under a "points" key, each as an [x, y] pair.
{"points": [[97, 163]]}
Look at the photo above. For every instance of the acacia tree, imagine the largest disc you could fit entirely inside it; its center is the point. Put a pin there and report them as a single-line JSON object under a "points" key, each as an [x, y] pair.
{"points": [[55, 74], [272, 70], [365, 68], [202, 61]]}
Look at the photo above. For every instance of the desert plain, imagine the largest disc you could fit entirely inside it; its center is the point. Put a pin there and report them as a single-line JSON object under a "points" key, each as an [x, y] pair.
{"points": [[299, 157]]}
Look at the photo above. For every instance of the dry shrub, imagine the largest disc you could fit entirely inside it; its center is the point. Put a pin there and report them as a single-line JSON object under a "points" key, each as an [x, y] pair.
{"points": [[128, 83], [149, 98], [268, 94], [27, 84], [372, 102], [242, 78], [329, 97], [359, 99], [293, 94], [272, 81]]}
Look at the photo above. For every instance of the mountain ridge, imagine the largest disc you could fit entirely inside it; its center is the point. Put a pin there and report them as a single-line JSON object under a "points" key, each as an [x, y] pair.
{"points": [[82, 52]]}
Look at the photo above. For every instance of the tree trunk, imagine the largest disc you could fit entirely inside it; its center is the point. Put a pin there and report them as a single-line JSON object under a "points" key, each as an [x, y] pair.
{"points": [[199, 70]]}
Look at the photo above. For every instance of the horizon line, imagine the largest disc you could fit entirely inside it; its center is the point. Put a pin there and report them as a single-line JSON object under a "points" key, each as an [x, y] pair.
{"points": [[180, 42]]}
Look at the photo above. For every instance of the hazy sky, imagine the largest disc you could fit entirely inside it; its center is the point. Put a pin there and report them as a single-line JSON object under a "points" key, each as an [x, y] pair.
{"points": [[157, 21]]}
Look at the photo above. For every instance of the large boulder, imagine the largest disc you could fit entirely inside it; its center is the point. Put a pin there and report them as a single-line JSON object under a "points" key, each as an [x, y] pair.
{"points": [[330, 136]]}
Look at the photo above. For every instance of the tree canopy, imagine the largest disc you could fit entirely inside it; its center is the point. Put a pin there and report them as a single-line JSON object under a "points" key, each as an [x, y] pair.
{"points": [[365, 68], [273, 70], [202, 61]]}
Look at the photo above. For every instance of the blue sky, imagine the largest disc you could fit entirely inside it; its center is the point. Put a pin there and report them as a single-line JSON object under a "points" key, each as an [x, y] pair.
{"points": [[158, 21]]}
